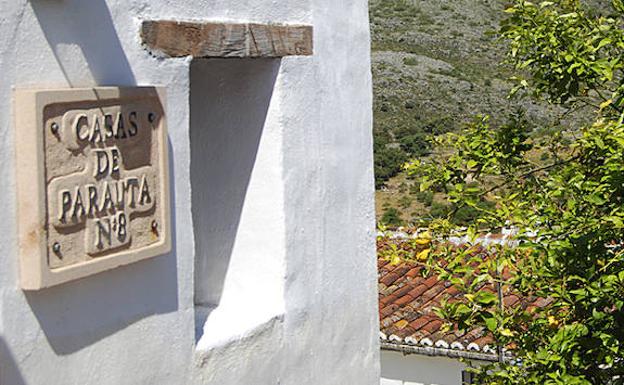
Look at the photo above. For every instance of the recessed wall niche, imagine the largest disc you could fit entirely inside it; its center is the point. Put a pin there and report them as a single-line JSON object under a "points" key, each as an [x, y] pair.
{"points": [[237, 190]]}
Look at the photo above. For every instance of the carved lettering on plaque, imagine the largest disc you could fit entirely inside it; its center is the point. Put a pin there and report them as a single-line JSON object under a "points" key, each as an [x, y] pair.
{"points": [[103, 172]]}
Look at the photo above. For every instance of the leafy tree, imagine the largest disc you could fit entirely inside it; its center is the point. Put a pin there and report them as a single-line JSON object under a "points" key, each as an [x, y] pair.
{"points": [[567, 210]]}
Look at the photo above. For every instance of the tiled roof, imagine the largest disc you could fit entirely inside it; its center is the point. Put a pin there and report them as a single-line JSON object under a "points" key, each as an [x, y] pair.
{"points": [[407, 300]]}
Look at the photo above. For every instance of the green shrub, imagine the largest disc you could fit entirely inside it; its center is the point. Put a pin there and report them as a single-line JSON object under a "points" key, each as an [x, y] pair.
{"points": [[405, 201], [388, 163], [410, 61], [416, 145], [392, 217], [425, 197], [439, 210]]}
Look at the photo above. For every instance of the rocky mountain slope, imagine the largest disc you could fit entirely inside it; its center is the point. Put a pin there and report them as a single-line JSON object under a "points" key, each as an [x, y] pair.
{"points": [[435, 66]]}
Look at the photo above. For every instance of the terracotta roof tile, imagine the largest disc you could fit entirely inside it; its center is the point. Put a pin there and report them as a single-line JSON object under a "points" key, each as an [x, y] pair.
{"points": [[510, 300], [390, 278], [385, 324], [472, 335], [386, 311], [402, 269], [418, 290], [404, 300], [405, 289], [484, 340], [418, 323], [385, 290], [542, 302], [388, 299], [431, 281], [401, 324], [407, 301], [405, 332], [411, 315], [392, 330], [431, 294], [433, 326], [414, 272]]}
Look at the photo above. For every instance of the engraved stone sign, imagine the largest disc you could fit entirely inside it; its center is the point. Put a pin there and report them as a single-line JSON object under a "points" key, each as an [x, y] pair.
{"points": [[92, 181]]}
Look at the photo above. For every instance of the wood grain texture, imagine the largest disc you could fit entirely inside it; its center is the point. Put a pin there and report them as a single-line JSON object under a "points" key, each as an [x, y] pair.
{"points": [[177, 39]]}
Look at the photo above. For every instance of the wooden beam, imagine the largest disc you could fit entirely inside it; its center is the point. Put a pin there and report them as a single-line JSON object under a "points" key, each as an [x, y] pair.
{"points": [[203, 40]]}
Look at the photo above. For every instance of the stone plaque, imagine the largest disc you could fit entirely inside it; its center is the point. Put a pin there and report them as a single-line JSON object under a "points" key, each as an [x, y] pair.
{"points": [[92, 181]]}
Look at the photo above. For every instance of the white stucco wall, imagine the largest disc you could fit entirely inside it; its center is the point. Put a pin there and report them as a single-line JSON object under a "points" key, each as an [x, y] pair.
{"points": [[415, 369], [285, 276]]}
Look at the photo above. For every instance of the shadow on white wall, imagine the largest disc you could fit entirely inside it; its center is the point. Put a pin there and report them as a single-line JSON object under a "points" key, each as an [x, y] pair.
{"points": [[9, 373], [83, 38], [84, 41]]}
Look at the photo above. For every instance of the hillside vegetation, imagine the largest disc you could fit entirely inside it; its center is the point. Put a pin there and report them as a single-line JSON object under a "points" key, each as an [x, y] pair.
{"points": [[435, 67]]}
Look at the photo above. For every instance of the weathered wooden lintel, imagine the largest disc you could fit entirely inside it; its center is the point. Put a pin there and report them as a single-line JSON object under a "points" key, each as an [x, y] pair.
{"points": [[203, 40]]}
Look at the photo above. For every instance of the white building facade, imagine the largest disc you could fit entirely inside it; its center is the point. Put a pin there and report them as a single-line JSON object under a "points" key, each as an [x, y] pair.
{"points": [[271, 278], [406, 364], [414, 369]]}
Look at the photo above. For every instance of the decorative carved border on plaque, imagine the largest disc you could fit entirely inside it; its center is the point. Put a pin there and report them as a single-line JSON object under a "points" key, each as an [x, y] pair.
{"points": [[92, 181], [209, 39]]}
